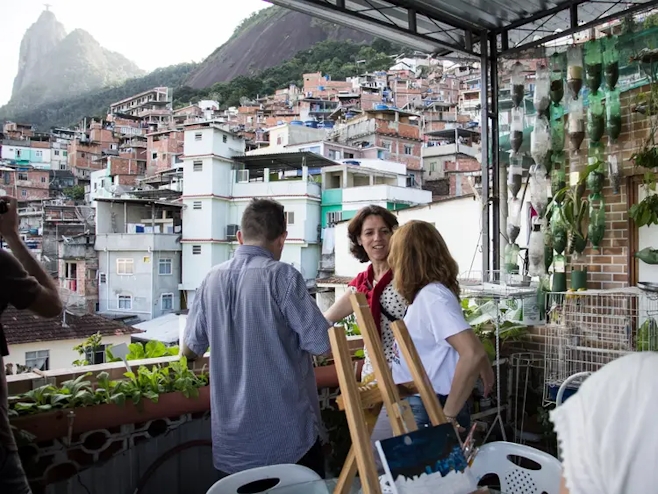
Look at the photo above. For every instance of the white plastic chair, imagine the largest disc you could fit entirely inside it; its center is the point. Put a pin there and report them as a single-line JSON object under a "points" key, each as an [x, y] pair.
{"points": [[285, 479], [567, 382], [495, 458]]}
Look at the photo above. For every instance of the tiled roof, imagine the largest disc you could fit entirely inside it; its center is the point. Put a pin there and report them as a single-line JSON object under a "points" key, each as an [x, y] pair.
{"points": [[25, 327], [334, 280]]}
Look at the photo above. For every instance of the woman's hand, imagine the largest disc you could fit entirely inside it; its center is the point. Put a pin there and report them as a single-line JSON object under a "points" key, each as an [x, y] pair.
{"points": [[488, 377]]}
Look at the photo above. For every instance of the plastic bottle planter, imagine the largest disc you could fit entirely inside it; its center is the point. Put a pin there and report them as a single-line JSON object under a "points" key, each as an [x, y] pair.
{"points": [[540, 140], [536, 263], [559, 231], [558, 181], [516, 130], [596, 228], [515, 176], [595, 181], [557, 64], [613, 114], [576, 124], [574, 70], [542, 99], [610, 62], [593, 65], [557, 129], [513, 220], [518, 84], [512, 258], [614, 174], [595, 118], [539, 186]]}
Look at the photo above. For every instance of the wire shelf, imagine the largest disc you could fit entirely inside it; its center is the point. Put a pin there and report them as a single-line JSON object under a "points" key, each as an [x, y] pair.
{"points": [[587, 330]]}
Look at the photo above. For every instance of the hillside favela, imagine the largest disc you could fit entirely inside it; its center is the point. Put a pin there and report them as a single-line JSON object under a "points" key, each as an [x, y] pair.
{"points": [[329, 246]]}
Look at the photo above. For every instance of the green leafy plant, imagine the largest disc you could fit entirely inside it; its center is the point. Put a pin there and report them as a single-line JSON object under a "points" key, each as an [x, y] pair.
{"points": [[351, 328], [140, 351], [145, 383], [89, 346]]}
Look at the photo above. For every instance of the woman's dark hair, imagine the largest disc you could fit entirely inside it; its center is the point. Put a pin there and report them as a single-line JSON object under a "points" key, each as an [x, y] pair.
{"points": [[356, 226]]}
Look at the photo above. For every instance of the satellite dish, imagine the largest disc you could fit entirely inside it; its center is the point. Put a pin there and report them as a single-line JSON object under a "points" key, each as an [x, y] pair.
{"points": [[74, 304]]}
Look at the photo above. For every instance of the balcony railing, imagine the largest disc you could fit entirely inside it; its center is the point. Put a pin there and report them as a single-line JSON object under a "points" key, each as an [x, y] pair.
{"points": [[71, 284]]}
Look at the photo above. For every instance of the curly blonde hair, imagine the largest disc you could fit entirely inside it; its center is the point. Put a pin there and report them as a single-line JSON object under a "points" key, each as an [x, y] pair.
{"points": [[419, 256]]}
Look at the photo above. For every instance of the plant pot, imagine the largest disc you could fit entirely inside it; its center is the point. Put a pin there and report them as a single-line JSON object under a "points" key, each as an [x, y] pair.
{"points": [[579, 279], [559, 282], [54, 425], [326, 376]]}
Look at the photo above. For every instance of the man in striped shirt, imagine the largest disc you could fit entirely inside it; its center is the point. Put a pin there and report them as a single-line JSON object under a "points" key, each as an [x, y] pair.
{"points": [[262, 326]]}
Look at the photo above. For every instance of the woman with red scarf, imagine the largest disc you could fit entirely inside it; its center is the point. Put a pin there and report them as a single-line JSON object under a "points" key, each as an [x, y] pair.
{"points": [[370, 234]]}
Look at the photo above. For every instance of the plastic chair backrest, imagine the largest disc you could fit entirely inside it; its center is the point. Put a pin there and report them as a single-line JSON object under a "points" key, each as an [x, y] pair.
{"points": [[498, 458], [268, 478]]}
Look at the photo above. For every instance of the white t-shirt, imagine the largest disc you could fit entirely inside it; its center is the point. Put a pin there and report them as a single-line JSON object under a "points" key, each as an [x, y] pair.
{"points": [[435, 315]]}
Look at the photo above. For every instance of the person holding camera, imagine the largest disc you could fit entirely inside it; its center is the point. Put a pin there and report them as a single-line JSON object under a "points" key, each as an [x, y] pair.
{"points": [[25, 285]]}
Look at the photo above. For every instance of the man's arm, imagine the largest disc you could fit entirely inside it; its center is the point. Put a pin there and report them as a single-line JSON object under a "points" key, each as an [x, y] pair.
{"points": [[195, 339], [303, 315], [29, 286]]}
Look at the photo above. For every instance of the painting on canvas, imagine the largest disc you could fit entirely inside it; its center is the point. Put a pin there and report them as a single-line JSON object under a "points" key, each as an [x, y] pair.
{"points": [[425, 460]]}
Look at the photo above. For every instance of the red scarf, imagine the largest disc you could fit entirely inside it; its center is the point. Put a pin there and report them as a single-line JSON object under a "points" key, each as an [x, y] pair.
{"points": [[364, 284]]}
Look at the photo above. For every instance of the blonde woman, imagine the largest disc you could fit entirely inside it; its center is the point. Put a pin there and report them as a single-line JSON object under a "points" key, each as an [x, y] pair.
{"points": [[425, 274]]}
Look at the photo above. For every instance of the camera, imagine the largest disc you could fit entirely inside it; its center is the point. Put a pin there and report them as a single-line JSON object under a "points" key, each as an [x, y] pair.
{"points": [[3, 207]]}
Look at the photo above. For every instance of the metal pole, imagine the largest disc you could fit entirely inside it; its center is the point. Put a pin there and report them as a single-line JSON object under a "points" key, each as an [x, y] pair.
{"points": [[484, 139], [496, 194]]}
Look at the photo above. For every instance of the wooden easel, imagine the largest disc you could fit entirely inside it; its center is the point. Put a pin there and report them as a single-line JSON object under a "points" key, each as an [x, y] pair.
{"points": [[361, 456]]}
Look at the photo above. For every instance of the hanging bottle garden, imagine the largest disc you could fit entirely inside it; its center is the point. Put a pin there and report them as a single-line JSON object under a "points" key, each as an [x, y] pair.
{"points": [[574, 70], [613, 114], [595, 118], [593, 65], [536, 252], [542, 98], [539, 186], [596, 228], [515, 175], [576, 125], [557, 78], [610, 62]]}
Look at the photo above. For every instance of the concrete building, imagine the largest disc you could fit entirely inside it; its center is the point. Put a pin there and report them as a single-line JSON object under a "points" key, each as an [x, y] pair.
{"points": [[25, 182], [139, 256], [34, 152], [78, 272], [218, 184], [153, 107]]}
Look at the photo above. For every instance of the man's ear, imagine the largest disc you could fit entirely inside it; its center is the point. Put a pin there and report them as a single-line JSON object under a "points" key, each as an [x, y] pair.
{"points": [[239, 237]]}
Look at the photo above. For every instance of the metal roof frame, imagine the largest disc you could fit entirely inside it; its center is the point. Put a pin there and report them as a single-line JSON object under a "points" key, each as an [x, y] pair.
{"points": [[442, 27]]}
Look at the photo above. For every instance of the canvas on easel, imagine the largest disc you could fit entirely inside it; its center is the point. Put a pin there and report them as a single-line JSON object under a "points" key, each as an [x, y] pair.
{"points": [[361, 456]]}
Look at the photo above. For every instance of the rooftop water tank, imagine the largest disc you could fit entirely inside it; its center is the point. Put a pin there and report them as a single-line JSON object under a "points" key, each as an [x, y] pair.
{"points": [[381, 107], [296, 122], [311, 123]]}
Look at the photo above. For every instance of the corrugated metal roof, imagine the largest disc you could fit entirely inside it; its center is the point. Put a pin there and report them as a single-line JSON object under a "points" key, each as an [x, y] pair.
{"points": [[443, 26]]}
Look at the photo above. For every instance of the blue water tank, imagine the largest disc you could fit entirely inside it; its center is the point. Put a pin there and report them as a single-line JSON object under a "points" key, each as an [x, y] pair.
{"points": [[351, 162], [327, 124], [349, 114], [296, 122], [311, 123], [381, 107]]}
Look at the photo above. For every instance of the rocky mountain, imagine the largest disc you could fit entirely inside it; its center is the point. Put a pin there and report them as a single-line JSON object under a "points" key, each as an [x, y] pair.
{"points": [[264, 40], [54, 65]]}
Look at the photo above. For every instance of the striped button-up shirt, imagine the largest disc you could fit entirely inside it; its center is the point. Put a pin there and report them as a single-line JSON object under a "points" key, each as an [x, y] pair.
{"points": [[262, 326]]}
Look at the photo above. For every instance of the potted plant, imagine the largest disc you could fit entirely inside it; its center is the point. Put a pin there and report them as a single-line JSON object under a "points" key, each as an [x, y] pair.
{"points": [[78, 405]]}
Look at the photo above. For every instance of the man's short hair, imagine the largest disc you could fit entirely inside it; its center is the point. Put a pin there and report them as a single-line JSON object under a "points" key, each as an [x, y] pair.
{"points": [[263, 220]]}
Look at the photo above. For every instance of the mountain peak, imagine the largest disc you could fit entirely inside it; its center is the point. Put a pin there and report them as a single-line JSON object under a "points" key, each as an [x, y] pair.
{"points": [[46, 16]]}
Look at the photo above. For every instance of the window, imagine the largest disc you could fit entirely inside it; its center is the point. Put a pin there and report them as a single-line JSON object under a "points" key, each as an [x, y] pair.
{"points": [[196, 250], [39, 154], [65, 153], [387, 145], [432, 166], [197, 205], [154, 155], [334, 217], [96, 356], [23, 193], [38, 360], [62, 166], [290, 217], [125, 302], [167, 301], [278, 140], [408, 149], [125, 266], [197, 166], [224, 138], [22, 176], [18, 153], [165, 267], [43, 180], [103, 278], [198, 136], [56, 152]]}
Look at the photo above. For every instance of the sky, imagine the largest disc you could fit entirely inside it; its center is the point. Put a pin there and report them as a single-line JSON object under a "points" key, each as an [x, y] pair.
{"points": [[151, 33]]}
